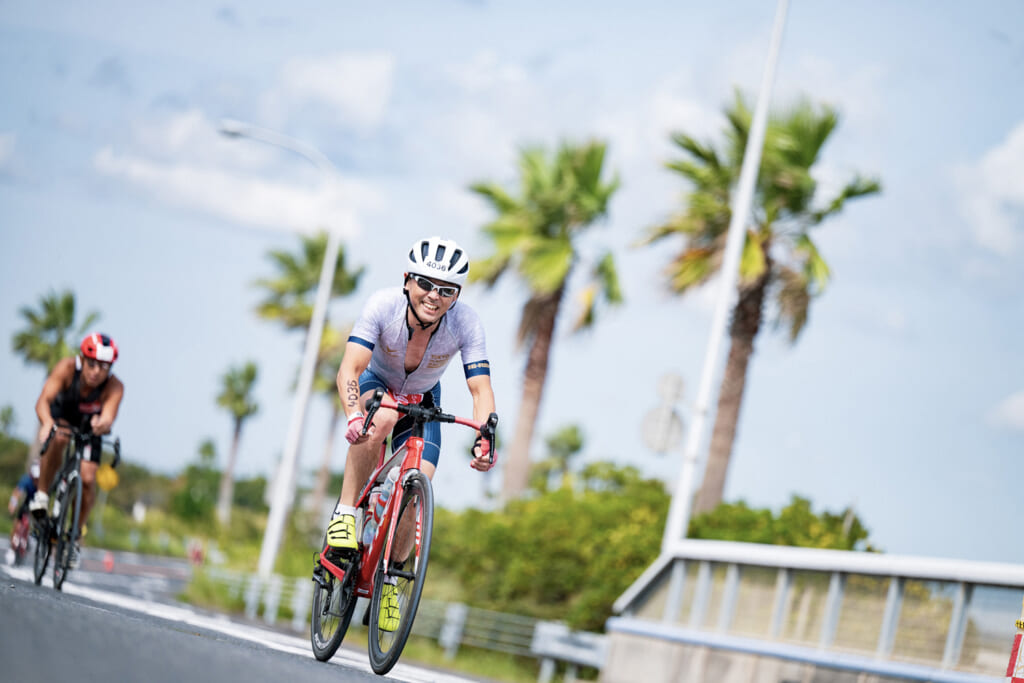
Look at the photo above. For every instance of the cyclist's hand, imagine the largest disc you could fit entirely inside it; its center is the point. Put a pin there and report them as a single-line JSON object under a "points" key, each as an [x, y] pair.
{"points": [[100, 424], [481, 460], [354, 433], [44, 432]]}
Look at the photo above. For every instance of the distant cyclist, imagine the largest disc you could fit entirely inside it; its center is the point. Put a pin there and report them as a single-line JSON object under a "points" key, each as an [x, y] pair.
{"points": [[402, 343], [77, 388], [17, 506]]}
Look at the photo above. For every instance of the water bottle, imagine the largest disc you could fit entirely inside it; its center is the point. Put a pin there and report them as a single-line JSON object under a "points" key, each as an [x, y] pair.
{"points": [[378, 501], [370, 525]]}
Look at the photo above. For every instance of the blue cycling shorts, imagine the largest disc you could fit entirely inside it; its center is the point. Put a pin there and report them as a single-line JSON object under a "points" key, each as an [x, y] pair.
{"points": [[368, 381]]}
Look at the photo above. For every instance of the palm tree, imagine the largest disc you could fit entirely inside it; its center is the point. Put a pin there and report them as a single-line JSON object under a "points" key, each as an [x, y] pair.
{"points": [[44, 340], [563, 445], [332, 350], [779, 257], [289, 300], [236, 397], [536, 233], [290, 294]]}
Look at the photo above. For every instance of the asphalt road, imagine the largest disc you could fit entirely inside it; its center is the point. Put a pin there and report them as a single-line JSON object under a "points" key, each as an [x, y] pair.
{"points": [[88, 634]]}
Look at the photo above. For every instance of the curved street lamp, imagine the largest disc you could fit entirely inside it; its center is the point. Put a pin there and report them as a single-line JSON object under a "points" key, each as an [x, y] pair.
{"points": [[284, 482]]}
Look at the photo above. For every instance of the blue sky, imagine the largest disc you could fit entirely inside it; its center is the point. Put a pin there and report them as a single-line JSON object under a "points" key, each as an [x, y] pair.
{"points": [[904, 397]]}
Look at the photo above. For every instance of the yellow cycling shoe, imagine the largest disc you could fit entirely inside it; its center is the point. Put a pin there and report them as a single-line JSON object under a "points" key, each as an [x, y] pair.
{"points": [[390, 614], [341, 533]]}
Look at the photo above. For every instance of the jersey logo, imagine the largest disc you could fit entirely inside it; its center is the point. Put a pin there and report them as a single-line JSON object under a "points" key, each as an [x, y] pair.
{"points": [[438, 361], [388, 350]]}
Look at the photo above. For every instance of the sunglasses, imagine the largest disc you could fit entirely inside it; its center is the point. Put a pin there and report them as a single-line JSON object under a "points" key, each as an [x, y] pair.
{"points": [[93, 363], [428, 286]]}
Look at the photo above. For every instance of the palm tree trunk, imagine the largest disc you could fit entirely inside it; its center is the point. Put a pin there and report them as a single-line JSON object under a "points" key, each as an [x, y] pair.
{"points": [[517, 469], [323, 475], [227, 479], [745, 324]]}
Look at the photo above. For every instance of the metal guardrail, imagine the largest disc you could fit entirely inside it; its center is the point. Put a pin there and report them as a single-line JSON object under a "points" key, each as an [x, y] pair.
{"points": [[906, 617], [452, 625]]}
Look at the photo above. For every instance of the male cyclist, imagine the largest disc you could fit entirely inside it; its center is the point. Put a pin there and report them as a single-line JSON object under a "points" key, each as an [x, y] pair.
{"points": [[17, 506], [77, 388], [402, 343]]}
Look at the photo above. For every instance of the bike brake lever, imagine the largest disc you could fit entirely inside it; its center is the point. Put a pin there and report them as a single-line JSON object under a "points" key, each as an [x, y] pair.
{"points": [[489, 430], [371, 409]]}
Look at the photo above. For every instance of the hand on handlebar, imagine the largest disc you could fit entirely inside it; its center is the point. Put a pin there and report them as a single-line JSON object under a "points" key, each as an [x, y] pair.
{"points": [[483, 460], [355, 433]]}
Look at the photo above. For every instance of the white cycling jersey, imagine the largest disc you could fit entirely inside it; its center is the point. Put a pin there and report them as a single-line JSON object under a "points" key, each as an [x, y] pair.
{"points": [[382, 327]]}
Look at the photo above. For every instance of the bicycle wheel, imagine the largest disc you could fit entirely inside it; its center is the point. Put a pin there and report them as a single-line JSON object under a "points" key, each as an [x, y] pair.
{"points": [[333, 603], [41, 529], [409, 573], [67, 529]]}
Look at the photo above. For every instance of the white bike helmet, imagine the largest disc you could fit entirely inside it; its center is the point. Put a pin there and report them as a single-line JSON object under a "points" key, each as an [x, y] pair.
{"points": [[440, 259]]}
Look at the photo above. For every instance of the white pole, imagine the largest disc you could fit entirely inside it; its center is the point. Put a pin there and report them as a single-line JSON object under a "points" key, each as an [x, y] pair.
{"points": [[679, 509], [284, 482]]}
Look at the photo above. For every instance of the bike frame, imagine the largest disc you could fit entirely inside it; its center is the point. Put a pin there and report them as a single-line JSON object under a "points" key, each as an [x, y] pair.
{"points": [[370, 557]]}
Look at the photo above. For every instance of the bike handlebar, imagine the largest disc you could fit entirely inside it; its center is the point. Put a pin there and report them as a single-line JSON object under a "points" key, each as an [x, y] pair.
{"points": [[79, 433], [422, 415]]}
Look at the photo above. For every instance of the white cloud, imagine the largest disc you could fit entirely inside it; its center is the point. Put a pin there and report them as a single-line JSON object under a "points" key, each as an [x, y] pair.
{"points": [[184, 162], [1009, 413], [991, 194], [484, 72], [357, 85]]}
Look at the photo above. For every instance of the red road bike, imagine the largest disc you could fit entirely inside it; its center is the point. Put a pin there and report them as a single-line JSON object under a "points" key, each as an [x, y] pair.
{"points": [[407, 521]]}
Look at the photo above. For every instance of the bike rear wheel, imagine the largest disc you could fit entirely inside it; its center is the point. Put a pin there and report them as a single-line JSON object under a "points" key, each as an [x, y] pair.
{"points": [[67, 529], [333, 603], [409, 573]]}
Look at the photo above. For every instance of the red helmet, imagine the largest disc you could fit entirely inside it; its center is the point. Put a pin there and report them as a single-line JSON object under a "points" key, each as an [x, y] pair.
{"points": [[99, 347]]}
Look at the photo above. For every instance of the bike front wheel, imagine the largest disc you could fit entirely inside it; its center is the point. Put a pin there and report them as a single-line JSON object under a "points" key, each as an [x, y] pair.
{"points": [[396, 592], [43, 545], [67, 530], [333, 603]]}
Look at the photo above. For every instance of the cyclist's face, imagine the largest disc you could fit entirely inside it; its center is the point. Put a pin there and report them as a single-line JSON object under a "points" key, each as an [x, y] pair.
{"points": [[429, 304], [94, 371]]}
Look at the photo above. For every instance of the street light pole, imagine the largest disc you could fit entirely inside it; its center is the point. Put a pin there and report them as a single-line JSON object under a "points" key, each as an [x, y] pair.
{"points": [[679, 509], [284, 482]]}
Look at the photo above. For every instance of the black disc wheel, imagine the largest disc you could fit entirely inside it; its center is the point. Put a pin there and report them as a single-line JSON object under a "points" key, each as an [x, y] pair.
{"points": [[396, 592], [67, 531], [333, 603]]}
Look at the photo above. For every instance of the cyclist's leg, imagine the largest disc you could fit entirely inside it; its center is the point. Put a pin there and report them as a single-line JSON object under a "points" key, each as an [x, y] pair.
{"points": [[359, 465], [88, 472], [49, 464], [404, 535]]}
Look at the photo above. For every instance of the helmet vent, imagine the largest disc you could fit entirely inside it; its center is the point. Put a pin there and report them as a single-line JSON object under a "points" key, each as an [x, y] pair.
{"points": [[424, 250], [440, 252]]}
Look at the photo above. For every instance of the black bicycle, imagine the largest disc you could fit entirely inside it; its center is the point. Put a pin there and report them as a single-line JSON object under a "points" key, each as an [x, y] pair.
{"points": [[60, 526]]}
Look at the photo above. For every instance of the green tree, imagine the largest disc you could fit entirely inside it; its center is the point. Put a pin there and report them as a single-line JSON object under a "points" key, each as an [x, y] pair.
{"points": [[332, 350], [194, 497], [290, 301], [43, 340], [779, 257], [537, 234], [236, 397], [290, 293], [7, 419], [795, 525], [563, 445]]}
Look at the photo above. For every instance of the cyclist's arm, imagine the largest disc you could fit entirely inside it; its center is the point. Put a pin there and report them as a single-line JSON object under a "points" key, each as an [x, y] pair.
{"points": [[59, 378], [483, 406], [113, 394], [353, 364], [483, 396]]}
